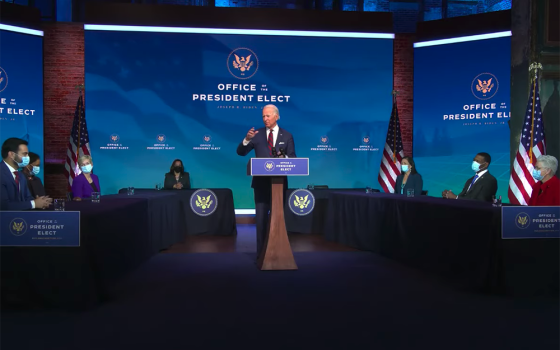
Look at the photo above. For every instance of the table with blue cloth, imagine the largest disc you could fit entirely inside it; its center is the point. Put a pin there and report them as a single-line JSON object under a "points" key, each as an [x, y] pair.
{"points": [[117, 235], [456, 240], [313, 222], [219, 223]]}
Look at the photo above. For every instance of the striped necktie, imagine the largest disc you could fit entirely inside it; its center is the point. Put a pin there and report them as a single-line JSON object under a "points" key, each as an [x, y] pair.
{"points": [[270, 141]]}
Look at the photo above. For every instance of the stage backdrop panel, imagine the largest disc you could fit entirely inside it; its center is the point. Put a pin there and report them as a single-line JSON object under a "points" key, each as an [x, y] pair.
{"points": [[461, 108], [152, 97], [21, 86]]}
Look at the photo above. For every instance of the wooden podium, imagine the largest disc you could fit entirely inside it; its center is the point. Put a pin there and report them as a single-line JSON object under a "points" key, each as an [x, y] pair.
{"points": [[277, 252]]}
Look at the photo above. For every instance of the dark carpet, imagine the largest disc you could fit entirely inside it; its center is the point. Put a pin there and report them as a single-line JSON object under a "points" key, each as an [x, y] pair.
{"points": [[336, 300]]}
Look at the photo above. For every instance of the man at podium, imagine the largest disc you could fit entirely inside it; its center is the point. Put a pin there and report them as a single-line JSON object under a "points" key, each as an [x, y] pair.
{"points": [[264, 141]]}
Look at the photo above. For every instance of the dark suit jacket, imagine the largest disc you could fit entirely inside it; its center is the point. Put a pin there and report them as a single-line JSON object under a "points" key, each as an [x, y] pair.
{"points": [[259, 143], [9, 197], [35, 186], [185, 179], [550, 194], [413, 182], [483, 189]]}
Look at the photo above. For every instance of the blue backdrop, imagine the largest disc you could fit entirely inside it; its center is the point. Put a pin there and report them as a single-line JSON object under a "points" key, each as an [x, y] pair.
{"points": [[461, 108], [21, 89], [154, 97]]}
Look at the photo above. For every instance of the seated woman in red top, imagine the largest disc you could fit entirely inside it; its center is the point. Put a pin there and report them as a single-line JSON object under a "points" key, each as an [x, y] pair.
{"points": [[546, 191]]}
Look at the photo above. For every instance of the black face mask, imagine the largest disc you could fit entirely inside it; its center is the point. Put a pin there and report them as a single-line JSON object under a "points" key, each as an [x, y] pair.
{"points": [[178, 169]]}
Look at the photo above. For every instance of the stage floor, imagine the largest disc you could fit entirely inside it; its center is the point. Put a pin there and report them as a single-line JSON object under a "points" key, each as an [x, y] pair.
{"points": [[336, 300], [246, 242]]}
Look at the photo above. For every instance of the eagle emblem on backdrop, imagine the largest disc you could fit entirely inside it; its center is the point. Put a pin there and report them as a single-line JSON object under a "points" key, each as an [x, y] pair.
{"points": [[204, 202], [3, 79], [115, 138], [484, 86], [365, 139], [324, 139], [242, 63], [161, 138], [207, 138]]}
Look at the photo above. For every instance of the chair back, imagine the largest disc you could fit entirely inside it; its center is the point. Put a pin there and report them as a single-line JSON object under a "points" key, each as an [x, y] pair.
{"points": [[424, 193]]}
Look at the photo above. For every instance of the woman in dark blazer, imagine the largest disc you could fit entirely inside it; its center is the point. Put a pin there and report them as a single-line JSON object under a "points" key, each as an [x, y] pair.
{"points": [[30, 170], [409, 179], [177, 178]]}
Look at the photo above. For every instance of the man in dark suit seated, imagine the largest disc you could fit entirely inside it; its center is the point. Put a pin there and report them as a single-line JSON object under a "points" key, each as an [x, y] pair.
{"points": [[263, 141], [14, 193], [482, 186]]}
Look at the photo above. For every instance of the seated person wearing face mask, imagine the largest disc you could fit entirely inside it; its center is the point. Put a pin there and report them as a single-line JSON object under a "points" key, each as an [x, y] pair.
{"points": [[177, 178], [482, 186], [409, 179], [546, 191], [14, 193], [85, 183], [33, 182]]}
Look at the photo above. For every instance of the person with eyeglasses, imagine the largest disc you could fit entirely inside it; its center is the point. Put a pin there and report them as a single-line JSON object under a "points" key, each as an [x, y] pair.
{"points": [[14, 193], [546, 191]]}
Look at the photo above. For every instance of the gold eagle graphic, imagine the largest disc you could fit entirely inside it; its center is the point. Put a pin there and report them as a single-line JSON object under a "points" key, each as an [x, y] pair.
{"points": [[301, 202], [204, 203], [484, 86], [522, 220], [269, 166], [243, 63], [18, 227]]}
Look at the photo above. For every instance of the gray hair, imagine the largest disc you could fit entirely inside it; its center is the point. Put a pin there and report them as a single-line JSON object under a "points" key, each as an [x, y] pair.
{"points": [[549, 162], [274, 108], [82, 158]]}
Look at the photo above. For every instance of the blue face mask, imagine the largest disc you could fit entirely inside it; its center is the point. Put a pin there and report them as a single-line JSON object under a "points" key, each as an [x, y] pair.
{"points": [[24, 162], [36, 170], [537, 175], [404, 168], [475, 166], [87, 168]]}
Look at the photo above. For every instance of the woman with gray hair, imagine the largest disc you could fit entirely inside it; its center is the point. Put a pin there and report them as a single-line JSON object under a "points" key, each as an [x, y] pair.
{"points": [[85, 183], [546, 191]]}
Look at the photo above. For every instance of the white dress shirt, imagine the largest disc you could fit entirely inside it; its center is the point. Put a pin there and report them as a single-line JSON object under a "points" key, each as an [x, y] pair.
{"points": [[12, 170]]}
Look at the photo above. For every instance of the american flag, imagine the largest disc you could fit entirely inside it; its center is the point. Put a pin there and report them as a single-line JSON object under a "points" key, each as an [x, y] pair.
{"points": [[531, 146], [78, 145], [392, 153]]}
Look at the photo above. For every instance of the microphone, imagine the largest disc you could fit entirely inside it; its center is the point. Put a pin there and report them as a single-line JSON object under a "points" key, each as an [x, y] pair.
{"points": [[274, 155]]}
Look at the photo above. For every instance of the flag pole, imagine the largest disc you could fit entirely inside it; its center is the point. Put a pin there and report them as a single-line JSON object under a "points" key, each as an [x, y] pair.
{"points": [[395, 93], [79, 87], [534, 66]]}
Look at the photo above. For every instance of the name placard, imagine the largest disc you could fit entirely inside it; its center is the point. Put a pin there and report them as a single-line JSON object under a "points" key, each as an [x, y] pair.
{"points": [[279, 167], [530, 222], [36, 228]]}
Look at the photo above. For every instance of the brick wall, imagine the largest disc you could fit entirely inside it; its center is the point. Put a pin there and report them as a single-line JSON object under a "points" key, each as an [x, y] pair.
{"points": [[403, 76], [63, 69]]}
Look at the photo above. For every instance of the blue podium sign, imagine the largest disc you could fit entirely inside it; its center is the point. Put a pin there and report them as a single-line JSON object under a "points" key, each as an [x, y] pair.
{"points": [[35, 228], [278, 167], [530, 222]]}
